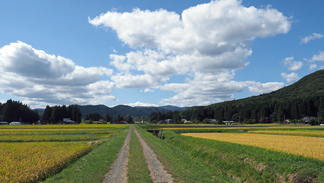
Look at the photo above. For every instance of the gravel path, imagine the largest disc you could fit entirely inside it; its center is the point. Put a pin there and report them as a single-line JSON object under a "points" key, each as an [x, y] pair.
{"points": [[158, 175], [118, 172]]}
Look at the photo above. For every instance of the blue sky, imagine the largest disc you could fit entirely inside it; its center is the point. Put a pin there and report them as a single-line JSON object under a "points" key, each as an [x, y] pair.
{"points": [[154, 53]]}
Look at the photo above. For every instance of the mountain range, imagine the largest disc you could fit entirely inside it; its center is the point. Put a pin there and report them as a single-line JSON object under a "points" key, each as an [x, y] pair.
{"points": [[126, 110]]}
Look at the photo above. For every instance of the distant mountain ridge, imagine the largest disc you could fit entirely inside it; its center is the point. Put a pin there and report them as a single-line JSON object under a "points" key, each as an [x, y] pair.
{"points": [[136, 111]]}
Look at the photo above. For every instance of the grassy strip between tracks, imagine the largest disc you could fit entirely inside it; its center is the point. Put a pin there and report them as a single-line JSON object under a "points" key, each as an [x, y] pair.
{"points": [[183, 166], [93, 166], [137, 166]]}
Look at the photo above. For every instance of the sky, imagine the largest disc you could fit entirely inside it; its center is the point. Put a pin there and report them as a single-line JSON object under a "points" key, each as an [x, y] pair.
{"points": [[155, 53]]}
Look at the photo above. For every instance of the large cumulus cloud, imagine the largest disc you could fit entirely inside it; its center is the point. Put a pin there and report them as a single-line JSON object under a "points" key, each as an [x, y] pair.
{"points": [[41, 78], [207, 43]]}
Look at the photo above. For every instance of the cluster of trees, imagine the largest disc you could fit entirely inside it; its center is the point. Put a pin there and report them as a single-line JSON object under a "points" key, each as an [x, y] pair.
{"points": [[94, 116], [259, 111], [156, 117], [250, 110], [16, 111], [56, 114]]}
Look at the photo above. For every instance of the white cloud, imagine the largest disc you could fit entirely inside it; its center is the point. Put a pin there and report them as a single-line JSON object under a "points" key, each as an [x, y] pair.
{"points": [[218, 26], [204, 89], [292, 65], [207, 43], [140, 104], [147, 90], [318, 57], [309, 38], [290, 78], [315, 67], [40, 78], [260, 88]]}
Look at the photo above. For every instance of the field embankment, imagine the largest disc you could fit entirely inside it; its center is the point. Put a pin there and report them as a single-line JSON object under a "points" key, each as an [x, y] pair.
{"points": [[243, 162]]}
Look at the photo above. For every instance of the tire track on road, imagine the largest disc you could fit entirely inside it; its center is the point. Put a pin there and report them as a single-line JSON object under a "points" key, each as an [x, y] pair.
{"points": [[158, 174], [118, 171]]}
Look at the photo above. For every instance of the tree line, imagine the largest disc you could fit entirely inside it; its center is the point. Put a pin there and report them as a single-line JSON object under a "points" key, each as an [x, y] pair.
{"points": [[56, 114], [106, 117], [16, 111], [249, 111]]}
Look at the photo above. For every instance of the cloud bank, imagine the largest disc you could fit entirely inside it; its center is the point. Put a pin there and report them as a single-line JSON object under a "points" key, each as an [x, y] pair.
{"points": [[207, 43]]}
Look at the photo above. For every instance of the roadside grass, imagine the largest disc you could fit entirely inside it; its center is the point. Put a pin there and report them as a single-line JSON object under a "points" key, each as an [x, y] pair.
{"points": [[93, 166], [183, 166], [248, 163], [137, 167]]}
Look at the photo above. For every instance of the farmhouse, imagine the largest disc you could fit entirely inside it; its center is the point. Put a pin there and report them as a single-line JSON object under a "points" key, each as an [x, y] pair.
{"points": [[68, 121]]}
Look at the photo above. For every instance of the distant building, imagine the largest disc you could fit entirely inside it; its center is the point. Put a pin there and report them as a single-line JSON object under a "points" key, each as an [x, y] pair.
{"points": [[68, 121], [307, 119], [229, 122], [169, 121]]}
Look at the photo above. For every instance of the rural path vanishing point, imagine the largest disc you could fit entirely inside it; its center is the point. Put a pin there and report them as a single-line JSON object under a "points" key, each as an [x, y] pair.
{"points": [[118, 172]]}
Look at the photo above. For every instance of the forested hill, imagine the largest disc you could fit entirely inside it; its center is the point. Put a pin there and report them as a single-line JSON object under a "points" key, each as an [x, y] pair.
{"points": [[301, 99], [126, 110]]}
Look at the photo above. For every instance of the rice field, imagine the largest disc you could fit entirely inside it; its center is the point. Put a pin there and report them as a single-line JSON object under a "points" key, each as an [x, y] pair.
{"points": [[306, 146], [318, 133], [27, 162], [31, 153]]}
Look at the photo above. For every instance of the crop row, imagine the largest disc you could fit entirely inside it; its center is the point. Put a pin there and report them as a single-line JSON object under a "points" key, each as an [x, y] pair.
{"points": [[52, 138], [319, 133], [54, 132], [60, 127]]}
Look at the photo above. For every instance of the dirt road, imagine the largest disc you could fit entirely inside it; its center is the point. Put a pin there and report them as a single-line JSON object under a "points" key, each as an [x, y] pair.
{"points": [[118, 172]]}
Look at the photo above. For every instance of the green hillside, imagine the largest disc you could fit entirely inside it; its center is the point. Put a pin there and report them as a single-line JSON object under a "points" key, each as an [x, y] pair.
{"points": [[301, 99]]}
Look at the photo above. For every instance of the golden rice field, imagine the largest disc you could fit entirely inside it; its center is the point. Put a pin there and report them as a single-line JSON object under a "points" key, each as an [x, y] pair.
{"points": [[319, 133], [25, 160], [306, 146], [188, 127]]}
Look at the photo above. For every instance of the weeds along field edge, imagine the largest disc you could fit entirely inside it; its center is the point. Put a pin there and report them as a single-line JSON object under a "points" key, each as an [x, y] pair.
{"points": [[93, 166], [246, 163]]}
